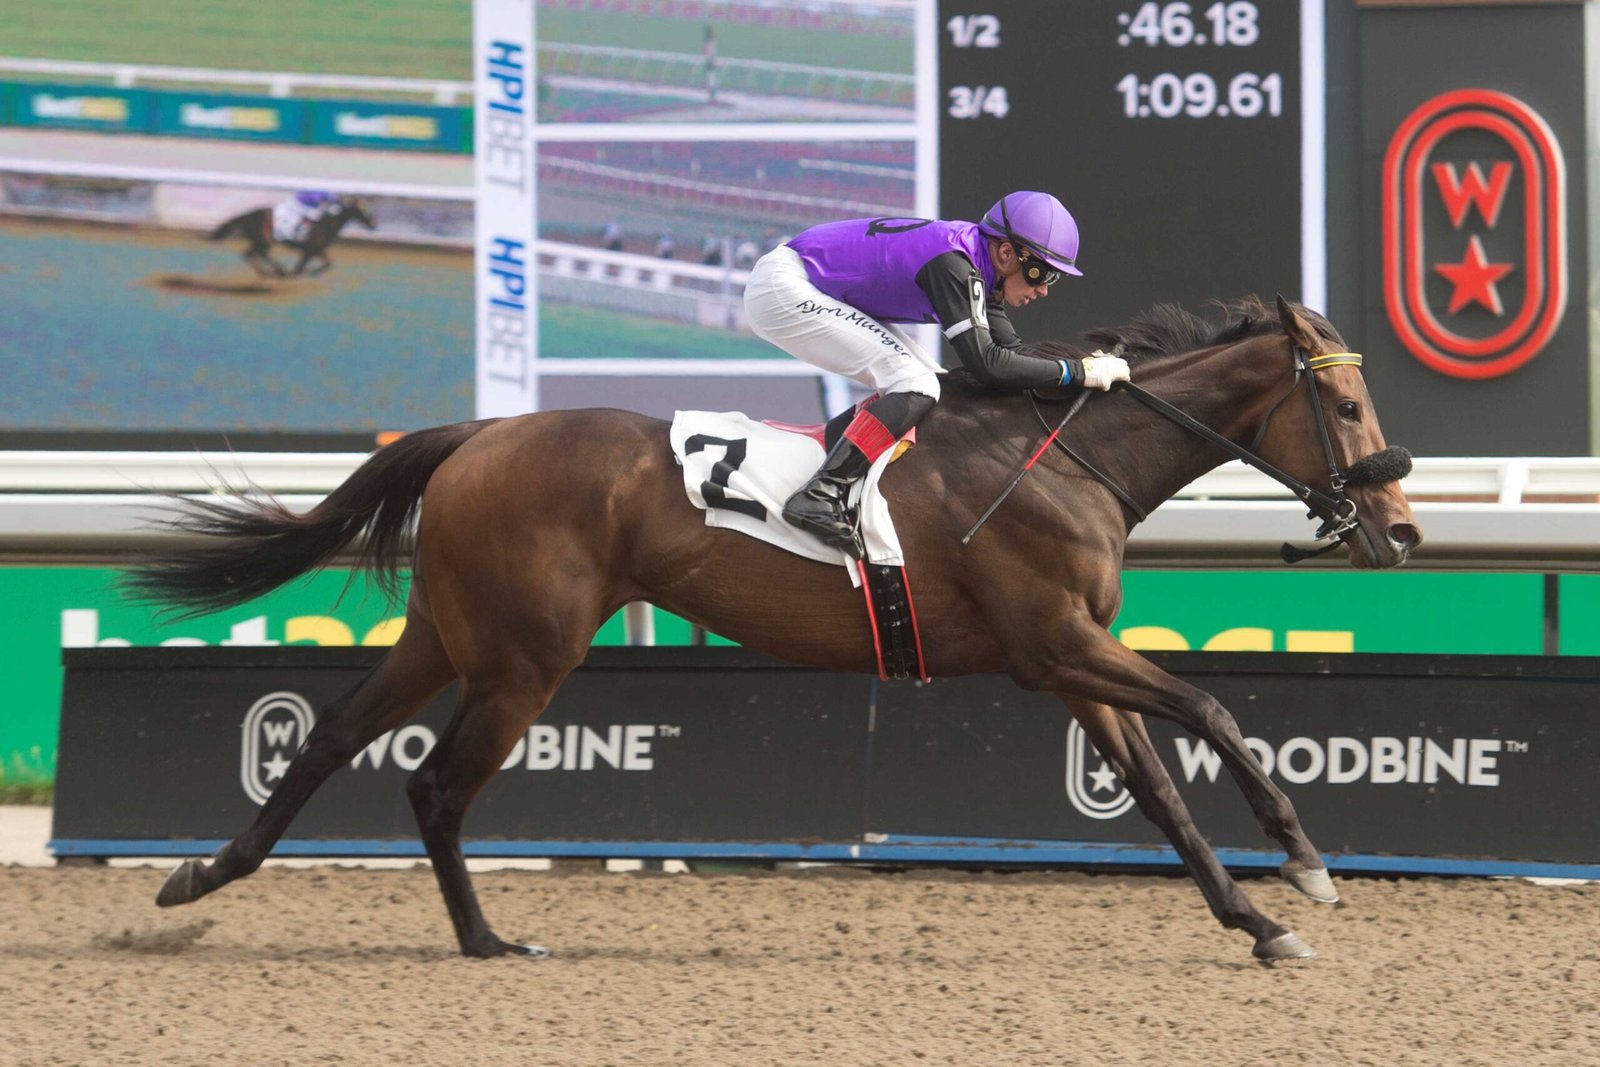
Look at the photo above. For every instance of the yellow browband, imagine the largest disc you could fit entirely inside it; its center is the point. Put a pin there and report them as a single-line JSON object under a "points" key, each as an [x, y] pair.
{"points": [[1335, 359]]}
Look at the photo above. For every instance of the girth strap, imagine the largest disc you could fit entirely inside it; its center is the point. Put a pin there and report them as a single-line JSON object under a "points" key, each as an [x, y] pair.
{"points": [[895, 638]]}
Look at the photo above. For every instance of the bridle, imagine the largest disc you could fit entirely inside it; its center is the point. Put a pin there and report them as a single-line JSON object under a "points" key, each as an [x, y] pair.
{"points": [[1389, 465], [1339, 508]]}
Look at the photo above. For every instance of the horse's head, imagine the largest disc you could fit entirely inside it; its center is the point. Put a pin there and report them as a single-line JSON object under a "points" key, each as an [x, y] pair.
{"points": [[352, 211], [1323, 431]]}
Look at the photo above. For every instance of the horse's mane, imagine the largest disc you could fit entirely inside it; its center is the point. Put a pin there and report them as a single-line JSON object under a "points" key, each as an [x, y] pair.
{"points": [[1166, 329]]}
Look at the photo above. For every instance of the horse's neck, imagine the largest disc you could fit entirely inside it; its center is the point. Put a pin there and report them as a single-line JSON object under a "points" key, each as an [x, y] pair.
{"points": [[1153, 457]]}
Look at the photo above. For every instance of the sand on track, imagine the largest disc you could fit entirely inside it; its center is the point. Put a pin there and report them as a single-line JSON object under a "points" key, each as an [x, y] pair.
{"points": [[826, 965]]}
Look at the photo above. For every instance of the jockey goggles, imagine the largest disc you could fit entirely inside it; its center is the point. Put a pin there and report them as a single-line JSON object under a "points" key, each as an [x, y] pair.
{"points": [[1035, 271]]}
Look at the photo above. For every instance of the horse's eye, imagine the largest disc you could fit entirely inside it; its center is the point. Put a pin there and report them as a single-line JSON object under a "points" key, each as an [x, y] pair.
{"points": [[1349, 409]]}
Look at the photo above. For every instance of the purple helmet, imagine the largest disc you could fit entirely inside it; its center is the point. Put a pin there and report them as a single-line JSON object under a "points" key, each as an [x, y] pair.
{"points": [[1038, 222]]}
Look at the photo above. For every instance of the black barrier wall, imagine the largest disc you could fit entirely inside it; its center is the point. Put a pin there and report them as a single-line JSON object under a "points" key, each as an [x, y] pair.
{"points": [[1484, 757]]}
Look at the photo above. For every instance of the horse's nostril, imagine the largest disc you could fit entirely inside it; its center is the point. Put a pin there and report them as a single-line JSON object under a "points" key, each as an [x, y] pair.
{"points": [[1405, 535]]}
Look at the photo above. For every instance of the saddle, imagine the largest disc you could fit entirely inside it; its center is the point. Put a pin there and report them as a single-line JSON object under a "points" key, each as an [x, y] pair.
{"points": [[740, 471]]}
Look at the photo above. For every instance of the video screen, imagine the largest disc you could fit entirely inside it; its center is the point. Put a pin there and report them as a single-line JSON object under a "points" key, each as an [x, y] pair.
{"points": [[273, 246]]}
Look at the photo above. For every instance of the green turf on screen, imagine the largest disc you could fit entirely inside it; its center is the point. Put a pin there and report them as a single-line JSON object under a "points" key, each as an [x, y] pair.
{"points": [[396, 38], [569, 331]]}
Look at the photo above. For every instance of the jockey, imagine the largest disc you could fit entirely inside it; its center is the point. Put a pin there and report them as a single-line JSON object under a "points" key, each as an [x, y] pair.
{"points": [[314, 202], [292, 218], [829, 296]]}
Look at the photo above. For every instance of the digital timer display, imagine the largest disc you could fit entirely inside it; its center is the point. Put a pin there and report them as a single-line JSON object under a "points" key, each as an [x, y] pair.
{"points": [[1172, 132]]}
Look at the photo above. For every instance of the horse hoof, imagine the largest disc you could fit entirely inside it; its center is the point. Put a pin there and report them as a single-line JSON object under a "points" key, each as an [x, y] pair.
{"points": [[1312, 881], [495, 947], [1286, 946], [182, 885]]}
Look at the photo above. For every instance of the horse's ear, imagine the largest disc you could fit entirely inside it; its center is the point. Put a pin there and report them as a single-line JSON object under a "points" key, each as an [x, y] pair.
{"points": [[1300, 331]]}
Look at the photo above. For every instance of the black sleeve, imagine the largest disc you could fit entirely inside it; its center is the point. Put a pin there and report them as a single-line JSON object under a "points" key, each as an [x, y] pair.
{"points": [[981, 331]]}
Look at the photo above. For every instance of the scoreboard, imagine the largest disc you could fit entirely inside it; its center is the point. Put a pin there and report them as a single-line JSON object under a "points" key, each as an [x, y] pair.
{"points": [[1173, 132]]}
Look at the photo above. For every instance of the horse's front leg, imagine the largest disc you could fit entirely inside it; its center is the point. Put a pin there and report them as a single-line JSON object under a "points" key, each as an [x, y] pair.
{"points": [[1120, 738], [1096, 666], [323, 263]]}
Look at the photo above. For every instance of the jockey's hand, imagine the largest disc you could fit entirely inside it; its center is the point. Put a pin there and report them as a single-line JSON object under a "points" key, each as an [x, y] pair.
{"points": [[1101, 370]]}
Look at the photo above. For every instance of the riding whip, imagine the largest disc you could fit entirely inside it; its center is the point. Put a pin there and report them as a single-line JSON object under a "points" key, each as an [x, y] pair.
{"points": [[1073, 410]]}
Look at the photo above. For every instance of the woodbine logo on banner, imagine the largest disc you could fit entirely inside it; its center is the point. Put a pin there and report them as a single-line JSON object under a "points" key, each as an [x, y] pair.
{"points": [[278, 724], [1474, 761]]}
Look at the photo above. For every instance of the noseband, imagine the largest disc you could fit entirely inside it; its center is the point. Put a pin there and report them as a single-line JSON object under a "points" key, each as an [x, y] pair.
{"points": [[1389, 465]]}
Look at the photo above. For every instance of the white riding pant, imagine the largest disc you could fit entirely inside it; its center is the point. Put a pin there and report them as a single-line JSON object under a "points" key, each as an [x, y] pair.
{"points": [[783, 307]]}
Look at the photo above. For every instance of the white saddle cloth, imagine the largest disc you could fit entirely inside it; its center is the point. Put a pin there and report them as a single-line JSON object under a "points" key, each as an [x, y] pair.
{"points": [[750, 468]]}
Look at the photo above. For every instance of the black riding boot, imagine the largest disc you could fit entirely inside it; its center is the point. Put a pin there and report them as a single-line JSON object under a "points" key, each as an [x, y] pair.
{"points": [[822, 506]]}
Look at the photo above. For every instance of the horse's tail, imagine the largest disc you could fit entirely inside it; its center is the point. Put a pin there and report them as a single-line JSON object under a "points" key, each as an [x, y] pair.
{"points": [[250, 545]]}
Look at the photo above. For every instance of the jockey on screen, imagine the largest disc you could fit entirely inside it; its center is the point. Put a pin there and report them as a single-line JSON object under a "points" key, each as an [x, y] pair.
{"points": [[828, 295], [292, 218]]}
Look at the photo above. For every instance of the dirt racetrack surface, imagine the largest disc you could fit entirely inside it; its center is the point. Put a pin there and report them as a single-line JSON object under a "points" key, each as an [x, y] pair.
{"points": [[833, 966]]}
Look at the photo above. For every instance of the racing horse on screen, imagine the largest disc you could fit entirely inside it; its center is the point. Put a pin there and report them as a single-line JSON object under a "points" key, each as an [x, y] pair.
{"points": [[533, 530], [256, 227]]}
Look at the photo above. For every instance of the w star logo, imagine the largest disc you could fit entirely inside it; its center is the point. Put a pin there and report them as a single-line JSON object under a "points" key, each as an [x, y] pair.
{"points": [[1474, 233], [1092, 786], [273, 730]]}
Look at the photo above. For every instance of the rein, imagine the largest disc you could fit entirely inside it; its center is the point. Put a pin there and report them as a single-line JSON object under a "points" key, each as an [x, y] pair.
{"points": [[1026, 467], [1341, 509], [1333, 502]]}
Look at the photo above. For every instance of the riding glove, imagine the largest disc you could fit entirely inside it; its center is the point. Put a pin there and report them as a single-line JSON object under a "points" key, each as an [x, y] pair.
{"points": [[1101, 370]]}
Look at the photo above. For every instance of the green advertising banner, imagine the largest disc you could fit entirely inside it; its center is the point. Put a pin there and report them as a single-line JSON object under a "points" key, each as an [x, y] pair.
{"points": [[51, 608], [79, 107], [1332, 611], [250, 118], [1287, 611], [369, 125], [1579, 598], [356, 123]]}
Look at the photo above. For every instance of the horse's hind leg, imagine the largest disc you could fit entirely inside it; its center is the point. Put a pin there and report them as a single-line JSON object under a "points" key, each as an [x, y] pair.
{"points": [[413, 671], [492, 717], [1120, 737], [512, 656]]}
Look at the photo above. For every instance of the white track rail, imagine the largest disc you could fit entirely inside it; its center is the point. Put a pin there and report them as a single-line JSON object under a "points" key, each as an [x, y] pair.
{"points": [[1481, 514], [277, 83], [178, 176]]}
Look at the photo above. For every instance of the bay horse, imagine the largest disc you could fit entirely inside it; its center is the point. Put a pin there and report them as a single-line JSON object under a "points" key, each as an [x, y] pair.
{"points": [[531, 531], [257, 229]]}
